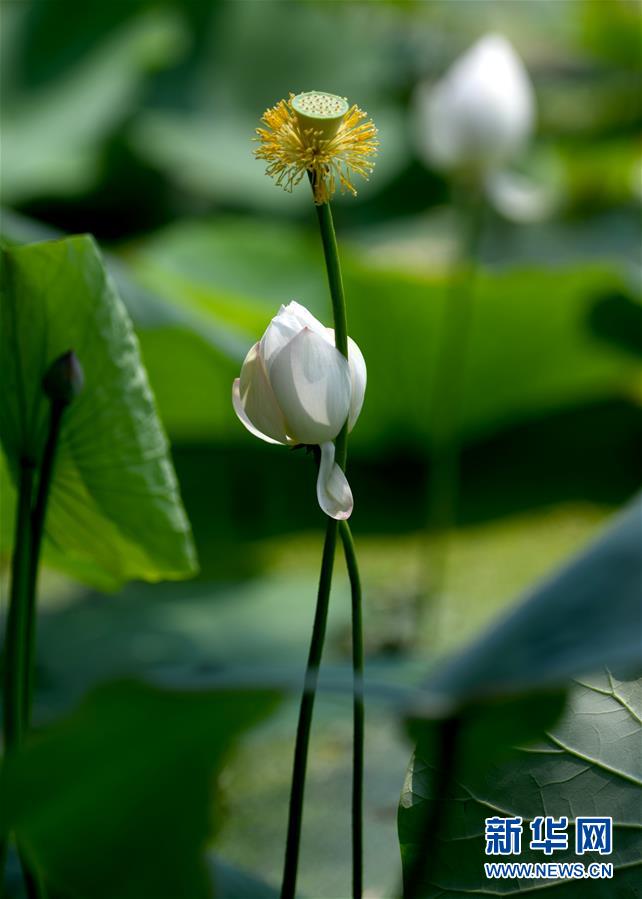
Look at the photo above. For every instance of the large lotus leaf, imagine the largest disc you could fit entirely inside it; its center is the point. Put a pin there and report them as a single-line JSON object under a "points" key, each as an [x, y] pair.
{"points": [[114, 510], [117, 798], [585, 616], [508, 757], [590, 763]]}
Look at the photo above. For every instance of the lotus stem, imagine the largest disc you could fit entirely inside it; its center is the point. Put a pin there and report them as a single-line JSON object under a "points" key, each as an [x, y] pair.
{"points": [[358, 711], [37, 530], [16, 640], [295, 819], [61, 383], [446, 403], [288, 889]]}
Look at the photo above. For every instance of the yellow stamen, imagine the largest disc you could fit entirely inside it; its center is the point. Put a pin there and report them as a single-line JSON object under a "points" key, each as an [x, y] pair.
{"points": [[317, 133]]}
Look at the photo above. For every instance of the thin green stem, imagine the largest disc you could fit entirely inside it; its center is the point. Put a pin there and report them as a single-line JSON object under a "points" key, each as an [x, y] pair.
{"points": [[16, 640], [337, 295], [37, 531], [358, 712], [335, 283], [16, 637], [448, 384], [288, 889], [21, 624], [293, 843]]}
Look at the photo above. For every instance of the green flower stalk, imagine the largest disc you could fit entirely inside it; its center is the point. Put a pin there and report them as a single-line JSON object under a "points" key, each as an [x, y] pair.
{"points": [[470, 124], [61, 383], [320, 135]]}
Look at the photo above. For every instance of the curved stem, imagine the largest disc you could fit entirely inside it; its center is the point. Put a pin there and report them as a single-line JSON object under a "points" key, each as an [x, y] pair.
{"points": [[16, 640], [21, 625], [337, 295], [335, 282], [358, 713], [293, 843], [37, 531], [16, 637], [288, 889]]}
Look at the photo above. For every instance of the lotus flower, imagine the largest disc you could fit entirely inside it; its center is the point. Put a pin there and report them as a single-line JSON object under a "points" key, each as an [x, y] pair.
{"points": [[481, 112], [296, 388]]}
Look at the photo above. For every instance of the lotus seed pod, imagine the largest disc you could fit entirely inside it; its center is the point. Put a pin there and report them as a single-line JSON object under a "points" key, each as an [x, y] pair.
{"points": [[320, 111]]}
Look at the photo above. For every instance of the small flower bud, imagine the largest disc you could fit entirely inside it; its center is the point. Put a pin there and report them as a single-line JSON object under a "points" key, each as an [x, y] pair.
{"points": [[481, 113], [64, 379]]}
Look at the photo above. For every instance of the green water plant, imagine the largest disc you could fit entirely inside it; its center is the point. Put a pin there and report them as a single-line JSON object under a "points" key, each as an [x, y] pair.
{"points": [[318, 379]]}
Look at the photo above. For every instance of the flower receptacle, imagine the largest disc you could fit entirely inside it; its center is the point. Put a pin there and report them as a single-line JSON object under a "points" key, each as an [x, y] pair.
{"points": [[320, 111]]}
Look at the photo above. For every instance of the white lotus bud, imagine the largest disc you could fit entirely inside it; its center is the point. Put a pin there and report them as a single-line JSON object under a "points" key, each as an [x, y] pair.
{"points": [[481, 112], [296, 387]]}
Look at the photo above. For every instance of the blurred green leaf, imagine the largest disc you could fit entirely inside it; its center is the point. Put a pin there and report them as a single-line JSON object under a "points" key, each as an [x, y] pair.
{"points": [[114, 510], [617, 318], [612, 31], [211, 155], [116, 800], [530, 351], [148, 310], [52, 38], [233, 883], [583, 618], [600, 174], [52, 137], [590, 763]]}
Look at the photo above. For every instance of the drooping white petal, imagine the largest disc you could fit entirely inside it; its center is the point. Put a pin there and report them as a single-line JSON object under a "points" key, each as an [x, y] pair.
{"points": [[254, 401], [311, 382], [333, 490], [482, 110], [358, 377], [521, 199], [289, 321]]}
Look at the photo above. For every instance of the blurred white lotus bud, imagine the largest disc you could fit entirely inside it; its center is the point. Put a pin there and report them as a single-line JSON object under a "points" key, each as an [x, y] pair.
{"points": [[480, 113], [296, 387]]}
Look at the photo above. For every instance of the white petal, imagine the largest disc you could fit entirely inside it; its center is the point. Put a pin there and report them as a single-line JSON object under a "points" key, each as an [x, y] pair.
{"points": [[520, 198], [333, 490], [304, 316], [240, 411], [289, 321], [481, 112], [311, 382], [358, 378], [254, 401]]}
